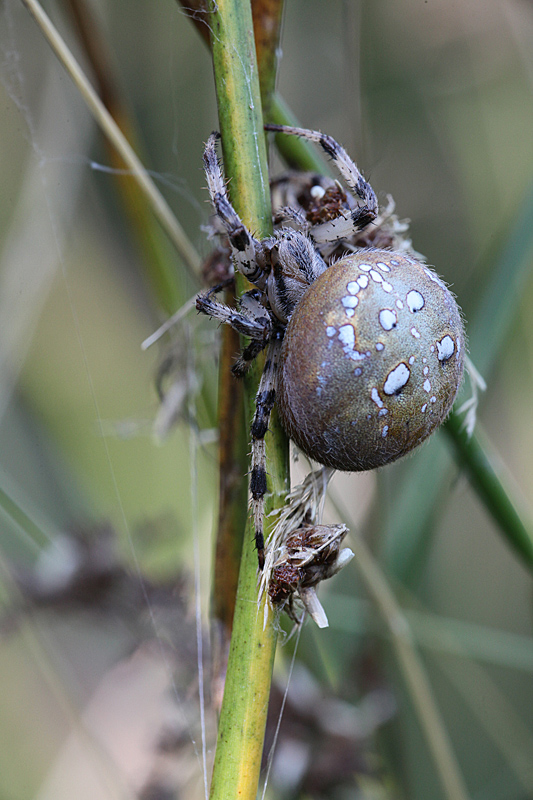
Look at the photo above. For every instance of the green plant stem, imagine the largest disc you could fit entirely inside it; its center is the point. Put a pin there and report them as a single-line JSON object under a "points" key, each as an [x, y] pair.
{"points": [[481, 467], [247, 688], [239, 112]]}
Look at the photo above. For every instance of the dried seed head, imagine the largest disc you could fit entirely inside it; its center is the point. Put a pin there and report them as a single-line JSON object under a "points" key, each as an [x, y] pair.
{"points": [[310, 554]]}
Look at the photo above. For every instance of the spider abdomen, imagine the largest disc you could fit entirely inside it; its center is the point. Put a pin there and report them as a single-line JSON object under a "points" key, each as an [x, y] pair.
{"points": [[371, 361]]}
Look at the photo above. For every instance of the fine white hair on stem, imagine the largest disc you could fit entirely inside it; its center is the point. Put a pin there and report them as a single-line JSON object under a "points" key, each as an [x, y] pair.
{"points": [[469, 407]]}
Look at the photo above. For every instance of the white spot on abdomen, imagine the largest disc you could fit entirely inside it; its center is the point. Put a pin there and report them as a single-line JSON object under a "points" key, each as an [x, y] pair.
{"points": [[350, 301], [374, 394], [445, 348], [415, 301], [396, 379], [347, 339], [431, 275], [387, 319], [347, 336]]}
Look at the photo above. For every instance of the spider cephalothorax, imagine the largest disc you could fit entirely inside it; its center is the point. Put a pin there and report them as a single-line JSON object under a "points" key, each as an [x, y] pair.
{"points": [[365, 352]]}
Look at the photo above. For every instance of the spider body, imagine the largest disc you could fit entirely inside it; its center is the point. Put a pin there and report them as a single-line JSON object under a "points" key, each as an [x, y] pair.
{"points": [[371, 361], [365, 355]]}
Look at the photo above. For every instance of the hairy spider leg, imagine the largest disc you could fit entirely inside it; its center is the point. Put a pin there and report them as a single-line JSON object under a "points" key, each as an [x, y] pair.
{"points": [[246, 250], [258, 329], [245, 358], [288, 214], [343, 226], [264, 403], [248, 321]]}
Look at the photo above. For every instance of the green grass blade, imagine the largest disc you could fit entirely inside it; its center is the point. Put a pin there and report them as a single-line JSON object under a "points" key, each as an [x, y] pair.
{"points": [[489, 486], [247, 687], [406, 533]]}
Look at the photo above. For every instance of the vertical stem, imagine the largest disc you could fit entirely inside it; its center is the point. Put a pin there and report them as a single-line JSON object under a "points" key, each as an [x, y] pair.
{"points": [[239, 112], [234, 447], [245, 703]]}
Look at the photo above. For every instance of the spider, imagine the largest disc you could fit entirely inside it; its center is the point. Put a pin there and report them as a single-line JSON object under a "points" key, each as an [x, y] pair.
{"points": [[365, 344]]}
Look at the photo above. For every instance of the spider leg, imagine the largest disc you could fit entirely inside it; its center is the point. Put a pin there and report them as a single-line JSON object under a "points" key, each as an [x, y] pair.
{"points": [[258, 328], [264, 403], [246, 250], [346, 224], [288, 214], [251, 351]]}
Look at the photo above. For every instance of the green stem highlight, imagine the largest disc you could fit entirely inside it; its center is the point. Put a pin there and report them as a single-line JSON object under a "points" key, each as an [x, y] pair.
{"points": [[245, 704]]}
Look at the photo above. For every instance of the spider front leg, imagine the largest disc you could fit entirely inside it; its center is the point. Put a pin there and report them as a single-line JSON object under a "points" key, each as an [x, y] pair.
{"points": [[366, 211], [264, 403], [247, 252]]}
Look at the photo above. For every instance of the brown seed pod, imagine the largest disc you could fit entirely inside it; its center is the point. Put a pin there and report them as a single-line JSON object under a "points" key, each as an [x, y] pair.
{"points": [[371, 361]]}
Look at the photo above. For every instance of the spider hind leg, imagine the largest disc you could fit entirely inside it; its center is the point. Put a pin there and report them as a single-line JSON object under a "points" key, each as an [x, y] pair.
{"points": [[264, 403]]}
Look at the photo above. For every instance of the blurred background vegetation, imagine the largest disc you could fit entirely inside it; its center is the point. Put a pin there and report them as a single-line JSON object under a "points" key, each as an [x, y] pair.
{"points": [[100, 523]]}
